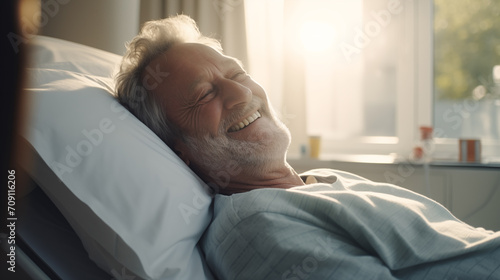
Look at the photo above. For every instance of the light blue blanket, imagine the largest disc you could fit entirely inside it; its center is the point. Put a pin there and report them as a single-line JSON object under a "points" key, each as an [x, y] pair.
{"points": [[350, 229]]}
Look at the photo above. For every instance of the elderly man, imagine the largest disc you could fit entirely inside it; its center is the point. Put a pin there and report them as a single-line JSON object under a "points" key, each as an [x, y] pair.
{"points": [[270, 224], [221, 116]]}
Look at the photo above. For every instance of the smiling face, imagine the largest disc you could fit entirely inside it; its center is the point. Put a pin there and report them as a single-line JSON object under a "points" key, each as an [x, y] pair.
{"points": [[223, 114]]}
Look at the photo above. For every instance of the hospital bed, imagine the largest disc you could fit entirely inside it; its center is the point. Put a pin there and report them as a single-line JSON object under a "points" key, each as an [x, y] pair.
{"points": [[111, 201]]}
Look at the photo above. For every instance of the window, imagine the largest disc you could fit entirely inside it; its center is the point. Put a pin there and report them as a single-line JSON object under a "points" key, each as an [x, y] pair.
{"points": [[356, 95], [467, 70], [368, 73], [352, 72]]}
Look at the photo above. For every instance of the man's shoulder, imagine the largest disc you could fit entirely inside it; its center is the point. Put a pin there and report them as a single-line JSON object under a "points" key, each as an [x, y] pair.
{"points": [[330, 176]]}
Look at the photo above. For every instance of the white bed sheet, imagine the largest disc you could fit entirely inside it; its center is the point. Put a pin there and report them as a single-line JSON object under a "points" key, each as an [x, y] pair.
{"points": [[351, 229]]}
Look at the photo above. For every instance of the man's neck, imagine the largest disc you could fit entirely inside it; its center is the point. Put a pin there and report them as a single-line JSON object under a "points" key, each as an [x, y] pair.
{"points": [[282, 177]]}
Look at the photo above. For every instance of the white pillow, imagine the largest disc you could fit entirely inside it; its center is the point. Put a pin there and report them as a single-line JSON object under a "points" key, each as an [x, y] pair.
{"points": [[136, 206]]}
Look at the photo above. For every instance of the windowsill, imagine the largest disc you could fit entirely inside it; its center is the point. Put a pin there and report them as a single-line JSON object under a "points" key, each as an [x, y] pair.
{"points": [[391, 159], [483, 164]]}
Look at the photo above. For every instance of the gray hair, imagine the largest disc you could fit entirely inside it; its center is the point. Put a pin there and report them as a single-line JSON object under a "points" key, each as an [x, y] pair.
{"points": [[155, 38]]}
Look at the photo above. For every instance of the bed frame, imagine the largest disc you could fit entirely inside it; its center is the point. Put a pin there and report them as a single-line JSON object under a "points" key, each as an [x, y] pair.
{"points": [[46, 245]]}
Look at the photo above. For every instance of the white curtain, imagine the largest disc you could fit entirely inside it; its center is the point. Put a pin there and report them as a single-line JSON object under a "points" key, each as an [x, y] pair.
{"points": [[221, 19]]}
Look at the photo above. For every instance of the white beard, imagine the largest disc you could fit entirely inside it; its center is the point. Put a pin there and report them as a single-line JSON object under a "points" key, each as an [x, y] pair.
{"points": [[220, 155]]}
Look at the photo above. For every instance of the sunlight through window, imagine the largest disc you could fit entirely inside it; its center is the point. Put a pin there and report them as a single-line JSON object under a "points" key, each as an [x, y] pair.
{"points": [[317, 36]]}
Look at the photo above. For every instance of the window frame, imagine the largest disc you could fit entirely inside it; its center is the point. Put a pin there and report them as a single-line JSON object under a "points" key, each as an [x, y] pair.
{"points": [[415, 96]]}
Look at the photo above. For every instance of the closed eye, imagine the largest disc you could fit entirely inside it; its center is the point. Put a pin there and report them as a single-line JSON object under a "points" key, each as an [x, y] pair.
{"points": [[207, 95], [239, 76]]}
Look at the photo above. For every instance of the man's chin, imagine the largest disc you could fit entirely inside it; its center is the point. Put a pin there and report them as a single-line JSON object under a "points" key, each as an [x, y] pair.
{"points": [[264, 150]]}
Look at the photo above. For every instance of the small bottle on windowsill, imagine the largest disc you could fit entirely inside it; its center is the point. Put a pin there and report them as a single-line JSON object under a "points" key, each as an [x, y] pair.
{"points": [[425, 147]]}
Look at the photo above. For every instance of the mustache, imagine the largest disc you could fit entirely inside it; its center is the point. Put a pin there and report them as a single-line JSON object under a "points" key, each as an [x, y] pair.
{"points": [[238, 114]]}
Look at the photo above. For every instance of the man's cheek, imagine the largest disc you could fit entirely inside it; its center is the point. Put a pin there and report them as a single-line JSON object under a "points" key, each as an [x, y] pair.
{"points": [[264, 131], [210, 119]]}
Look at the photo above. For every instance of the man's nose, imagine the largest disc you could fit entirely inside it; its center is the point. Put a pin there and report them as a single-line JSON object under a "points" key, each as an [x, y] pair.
{"points": [[235, 94]]}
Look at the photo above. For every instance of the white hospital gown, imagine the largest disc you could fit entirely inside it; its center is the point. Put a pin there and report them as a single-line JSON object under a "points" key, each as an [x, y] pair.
{"points": [[344, 227]]}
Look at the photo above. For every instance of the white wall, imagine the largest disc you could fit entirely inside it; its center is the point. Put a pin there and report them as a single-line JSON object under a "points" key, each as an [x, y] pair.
{"points": [[472, 194], [104, 24]]}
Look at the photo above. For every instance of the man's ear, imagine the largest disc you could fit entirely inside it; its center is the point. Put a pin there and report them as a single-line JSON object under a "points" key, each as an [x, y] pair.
{"points": [[182, 151]]}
